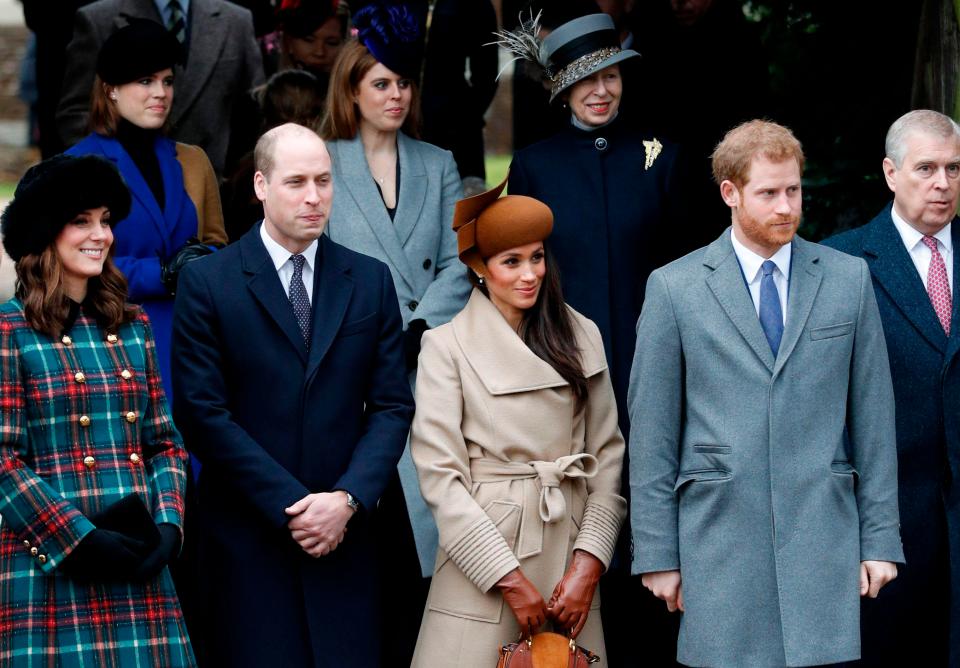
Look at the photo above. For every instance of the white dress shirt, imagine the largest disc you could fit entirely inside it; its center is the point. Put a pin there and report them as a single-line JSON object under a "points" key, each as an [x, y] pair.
{"points": [[281, 260], [751, 264], [919, 252]]}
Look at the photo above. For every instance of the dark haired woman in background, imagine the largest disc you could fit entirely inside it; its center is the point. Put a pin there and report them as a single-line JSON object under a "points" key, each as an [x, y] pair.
{"points": [[175, 194], [92, 469], [516, 442]]}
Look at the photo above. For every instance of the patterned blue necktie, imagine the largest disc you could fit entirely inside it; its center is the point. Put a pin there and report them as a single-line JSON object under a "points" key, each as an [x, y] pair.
{"points": [[176, 22], [298, 297], [771, 315]]}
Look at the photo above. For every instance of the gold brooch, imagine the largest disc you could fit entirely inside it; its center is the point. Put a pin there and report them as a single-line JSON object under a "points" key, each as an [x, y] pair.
{"points": [[652, 148]]}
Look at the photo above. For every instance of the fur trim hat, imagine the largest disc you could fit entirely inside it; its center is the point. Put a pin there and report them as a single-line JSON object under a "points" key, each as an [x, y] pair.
{"points": [[51, 193], [487, 224], [138, 49]]}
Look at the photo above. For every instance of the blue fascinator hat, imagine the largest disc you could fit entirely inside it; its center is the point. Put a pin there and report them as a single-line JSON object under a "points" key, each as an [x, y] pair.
{"points": [[391, 33]]}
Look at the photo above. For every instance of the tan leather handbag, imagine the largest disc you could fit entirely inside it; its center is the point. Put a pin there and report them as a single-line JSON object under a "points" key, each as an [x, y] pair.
{"points": [[545, 650]]}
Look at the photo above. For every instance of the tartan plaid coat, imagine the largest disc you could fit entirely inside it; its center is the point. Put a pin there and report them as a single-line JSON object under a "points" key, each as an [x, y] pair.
{"points": [[83, 423]]}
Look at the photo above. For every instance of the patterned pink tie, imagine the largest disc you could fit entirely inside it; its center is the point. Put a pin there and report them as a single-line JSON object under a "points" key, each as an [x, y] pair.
{"points": [[938, 287]]}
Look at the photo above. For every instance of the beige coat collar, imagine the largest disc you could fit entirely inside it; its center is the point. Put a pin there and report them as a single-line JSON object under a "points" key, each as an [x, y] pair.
{"points": [[502, 360]]}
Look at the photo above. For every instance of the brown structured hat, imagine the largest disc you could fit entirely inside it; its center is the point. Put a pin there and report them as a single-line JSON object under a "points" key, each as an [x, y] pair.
{"points": [[487, 224]]}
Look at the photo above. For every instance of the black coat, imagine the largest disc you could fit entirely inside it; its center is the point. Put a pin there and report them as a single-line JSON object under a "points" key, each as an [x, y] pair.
{"points": [[271, 421], [918, 614], [615, 221]]}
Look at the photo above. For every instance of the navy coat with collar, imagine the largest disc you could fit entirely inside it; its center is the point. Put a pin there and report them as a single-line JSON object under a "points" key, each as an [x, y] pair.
{"points": [[918, 614], [272, 421]]}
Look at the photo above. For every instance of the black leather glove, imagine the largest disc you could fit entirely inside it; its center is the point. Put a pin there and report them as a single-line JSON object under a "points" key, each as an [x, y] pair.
{"points": [[190, 251], [411, 342], [106, 555], [162, 554]]}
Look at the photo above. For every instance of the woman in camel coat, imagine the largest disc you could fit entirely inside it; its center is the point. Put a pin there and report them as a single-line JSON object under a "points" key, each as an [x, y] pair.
{"points": [[518, 453]]}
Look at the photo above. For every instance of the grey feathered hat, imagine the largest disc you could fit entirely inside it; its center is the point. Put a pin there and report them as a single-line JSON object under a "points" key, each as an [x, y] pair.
{"points": [[573, 51]]}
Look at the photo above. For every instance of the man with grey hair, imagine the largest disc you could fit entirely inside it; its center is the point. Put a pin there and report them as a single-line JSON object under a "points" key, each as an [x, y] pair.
{"points": [[911, 248]]}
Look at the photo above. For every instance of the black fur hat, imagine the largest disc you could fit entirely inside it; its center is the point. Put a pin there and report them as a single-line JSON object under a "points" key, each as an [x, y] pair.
{"points": [[136, 50], [52, 192]]}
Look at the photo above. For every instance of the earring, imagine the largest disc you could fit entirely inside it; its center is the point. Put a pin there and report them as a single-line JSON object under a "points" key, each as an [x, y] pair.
{"points": [[113, 95], [480, 280]]}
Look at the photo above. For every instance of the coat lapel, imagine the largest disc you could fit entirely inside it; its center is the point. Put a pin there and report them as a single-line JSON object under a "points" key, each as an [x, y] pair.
{"points": [[332, 289], [501, 359], [953, 344], [135, 182], [208, 34], [892, 267], [135, 9], [805, 278], [352, 164], [413, 188], [266, 287], [726, 282]]}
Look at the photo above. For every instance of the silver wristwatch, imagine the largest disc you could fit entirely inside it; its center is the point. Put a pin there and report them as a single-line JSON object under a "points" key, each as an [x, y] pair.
{"points": [[352, 501]]}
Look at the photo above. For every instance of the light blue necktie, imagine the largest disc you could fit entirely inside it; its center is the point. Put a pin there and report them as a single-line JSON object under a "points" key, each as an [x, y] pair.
{"points": [[771, 315]]}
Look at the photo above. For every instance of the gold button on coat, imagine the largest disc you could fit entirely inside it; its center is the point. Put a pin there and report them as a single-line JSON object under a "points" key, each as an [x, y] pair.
{"points": [[26, 544], [111, 338], [66, 340], [89, 461], [34, 551], [79, 377], [126, 375], [84, 421], [134, 457], [42, 558], [131, 417]]}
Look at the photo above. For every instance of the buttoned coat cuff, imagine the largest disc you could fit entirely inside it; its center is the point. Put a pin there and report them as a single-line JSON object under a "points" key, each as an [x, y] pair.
{"points": [[482, 554], [600, 527]]}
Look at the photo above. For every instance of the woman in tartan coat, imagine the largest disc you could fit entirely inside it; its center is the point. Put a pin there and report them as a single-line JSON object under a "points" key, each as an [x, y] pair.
{"points": [[92, 469]]}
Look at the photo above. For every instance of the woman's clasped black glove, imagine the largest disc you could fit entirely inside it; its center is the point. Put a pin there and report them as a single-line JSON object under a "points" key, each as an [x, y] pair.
{"points": [[162, 554], [524, 600], [411, 342], [106, 555], [192, 250]]}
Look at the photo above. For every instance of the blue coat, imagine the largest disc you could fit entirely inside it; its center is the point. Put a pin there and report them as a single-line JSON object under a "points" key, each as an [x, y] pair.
{"points": [[272, 421], [149, 235], [912, 611]]}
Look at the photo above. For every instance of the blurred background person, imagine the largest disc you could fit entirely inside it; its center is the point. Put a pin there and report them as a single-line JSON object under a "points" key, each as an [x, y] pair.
{"points": [[528, 504], [175, 195], [92, 469], [395, 202], [290, 96], [614, 191], [220, 63]]}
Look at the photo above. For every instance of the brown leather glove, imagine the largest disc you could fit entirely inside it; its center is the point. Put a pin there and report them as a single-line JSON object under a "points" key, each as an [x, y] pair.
{"points": [[524, 600], [569, 605]]}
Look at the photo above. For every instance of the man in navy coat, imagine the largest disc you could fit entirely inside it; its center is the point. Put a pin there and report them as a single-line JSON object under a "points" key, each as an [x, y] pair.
{"points": [[911, 248], [292, 391]]}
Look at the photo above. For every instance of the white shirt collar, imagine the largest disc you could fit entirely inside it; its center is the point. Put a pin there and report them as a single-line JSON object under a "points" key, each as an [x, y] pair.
{"points": [[280, 255], [751, 263], [912, 236]]}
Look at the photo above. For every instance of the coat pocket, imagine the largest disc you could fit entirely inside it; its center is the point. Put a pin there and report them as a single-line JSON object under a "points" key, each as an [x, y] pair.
{"points": [[453, 594], [712, 449], [701, 475], [831, 331], [840, 467]]}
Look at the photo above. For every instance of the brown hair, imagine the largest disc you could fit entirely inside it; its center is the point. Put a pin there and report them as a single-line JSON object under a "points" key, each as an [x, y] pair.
{"points": [[46, 305], [104, 117], [291, 96], [547, 329], [734, 154], [342, 120]]}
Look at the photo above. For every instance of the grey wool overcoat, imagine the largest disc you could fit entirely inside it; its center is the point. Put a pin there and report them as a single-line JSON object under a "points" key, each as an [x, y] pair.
{"points": [[764, 480], [515, 475]]}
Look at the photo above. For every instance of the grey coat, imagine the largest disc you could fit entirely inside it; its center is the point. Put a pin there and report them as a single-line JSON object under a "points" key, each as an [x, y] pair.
{"points": [[419, 245], [223, 63], [741, 471], [420, 248]]}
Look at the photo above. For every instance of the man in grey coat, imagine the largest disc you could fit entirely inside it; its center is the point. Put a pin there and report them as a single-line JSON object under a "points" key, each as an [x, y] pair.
{"points": [[222, 62], [763, 463]]}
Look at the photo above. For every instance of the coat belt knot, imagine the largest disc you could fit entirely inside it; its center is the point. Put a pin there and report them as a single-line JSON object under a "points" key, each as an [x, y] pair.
{"points": [[550, 501]]}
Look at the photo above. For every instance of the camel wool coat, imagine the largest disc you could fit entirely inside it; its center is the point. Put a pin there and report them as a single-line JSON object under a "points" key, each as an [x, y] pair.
{"points": [[514, 474]]}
